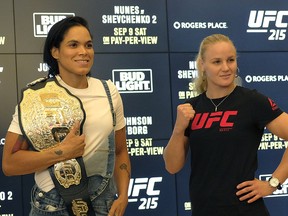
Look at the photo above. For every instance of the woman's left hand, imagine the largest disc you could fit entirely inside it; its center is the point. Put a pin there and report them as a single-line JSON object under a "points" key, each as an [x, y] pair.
{"points": [[118, 207], [253, 190]]}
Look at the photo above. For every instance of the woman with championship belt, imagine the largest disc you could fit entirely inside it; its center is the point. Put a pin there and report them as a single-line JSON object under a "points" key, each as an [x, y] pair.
{"points": [[69, 129]]}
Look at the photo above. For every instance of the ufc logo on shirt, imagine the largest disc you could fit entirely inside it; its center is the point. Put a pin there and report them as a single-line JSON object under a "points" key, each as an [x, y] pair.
{"points": [[206, 120]]}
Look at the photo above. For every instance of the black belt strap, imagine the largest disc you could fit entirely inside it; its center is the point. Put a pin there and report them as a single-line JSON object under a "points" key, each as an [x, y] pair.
{"points": [[76, 197]]}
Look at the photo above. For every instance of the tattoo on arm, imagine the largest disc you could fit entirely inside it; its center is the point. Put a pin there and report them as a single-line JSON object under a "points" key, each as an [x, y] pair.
{"points": [[58, 152], [18, 144], [124, 167]]}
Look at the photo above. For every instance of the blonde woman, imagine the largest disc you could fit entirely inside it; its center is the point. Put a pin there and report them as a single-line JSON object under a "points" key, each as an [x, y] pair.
{"points": [[222, 128]]}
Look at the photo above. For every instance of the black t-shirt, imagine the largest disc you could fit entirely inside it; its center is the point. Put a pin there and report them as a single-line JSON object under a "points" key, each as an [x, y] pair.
{"points": [[224, 144]]}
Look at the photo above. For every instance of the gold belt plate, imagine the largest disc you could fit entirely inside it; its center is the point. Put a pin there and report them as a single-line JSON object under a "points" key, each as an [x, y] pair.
{"points": [[48, 113]]}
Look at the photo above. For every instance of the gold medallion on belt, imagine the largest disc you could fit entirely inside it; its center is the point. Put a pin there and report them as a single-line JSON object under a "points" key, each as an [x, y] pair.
{"points": [[68, 173], [79, 207]]}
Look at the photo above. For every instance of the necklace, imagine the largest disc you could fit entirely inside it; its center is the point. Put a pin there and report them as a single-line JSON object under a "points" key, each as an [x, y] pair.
{"points": [[216, 106]]}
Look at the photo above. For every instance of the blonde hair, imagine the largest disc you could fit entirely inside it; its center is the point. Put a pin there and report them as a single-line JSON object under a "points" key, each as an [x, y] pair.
{"points": [[201, 80]]}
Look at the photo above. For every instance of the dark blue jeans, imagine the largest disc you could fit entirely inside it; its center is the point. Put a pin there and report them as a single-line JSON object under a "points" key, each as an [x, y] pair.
{"points": [[51, 204]]}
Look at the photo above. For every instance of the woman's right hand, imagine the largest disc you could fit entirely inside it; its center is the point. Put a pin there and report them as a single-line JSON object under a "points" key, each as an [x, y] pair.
{"points": [[73, 145], [185, 113]]}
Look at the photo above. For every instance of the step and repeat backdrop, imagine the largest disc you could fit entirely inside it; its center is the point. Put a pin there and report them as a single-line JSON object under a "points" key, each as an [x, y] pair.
{"points": [[148, 48]]}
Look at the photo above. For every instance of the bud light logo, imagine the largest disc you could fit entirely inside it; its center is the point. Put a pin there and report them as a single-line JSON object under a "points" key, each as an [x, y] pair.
{"points": [[42, 22], [133, 80]]}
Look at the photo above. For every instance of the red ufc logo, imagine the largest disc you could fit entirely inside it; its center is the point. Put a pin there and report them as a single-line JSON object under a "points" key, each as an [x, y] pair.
{"points": [[205, 120]]}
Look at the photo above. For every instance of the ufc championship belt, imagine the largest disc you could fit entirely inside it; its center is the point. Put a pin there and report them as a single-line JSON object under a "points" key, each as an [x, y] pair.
{"points": [[47, 112]]}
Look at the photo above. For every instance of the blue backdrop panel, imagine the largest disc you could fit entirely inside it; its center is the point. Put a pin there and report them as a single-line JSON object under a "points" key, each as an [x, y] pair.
{"points": [[140, 104], [138, 26], [253, 25], [10, 195], [7, 44], [10, 188], [132, 26], [8, 89], [183, 72], [266, 72], [39, 17], [30, 72], [152, 189]]}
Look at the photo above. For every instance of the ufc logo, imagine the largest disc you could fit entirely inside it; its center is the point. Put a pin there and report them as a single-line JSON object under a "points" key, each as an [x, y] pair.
{"points": [[144, 184], [205, 120], [258, 19]]}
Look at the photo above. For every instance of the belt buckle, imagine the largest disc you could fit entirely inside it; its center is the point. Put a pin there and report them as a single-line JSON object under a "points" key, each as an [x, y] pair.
{"points": [[79, 207], [68, 173]]}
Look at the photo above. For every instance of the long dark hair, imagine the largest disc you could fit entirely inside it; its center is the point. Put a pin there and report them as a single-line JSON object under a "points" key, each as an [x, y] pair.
{"points": [[55, 37]]}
